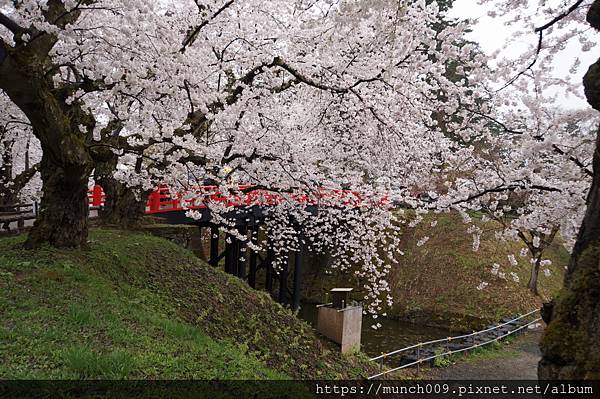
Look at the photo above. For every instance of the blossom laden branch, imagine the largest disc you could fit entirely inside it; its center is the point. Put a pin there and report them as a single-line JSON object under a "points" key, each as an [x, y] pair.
{"points": [[540, 32], [506, 188], [576, 160]]}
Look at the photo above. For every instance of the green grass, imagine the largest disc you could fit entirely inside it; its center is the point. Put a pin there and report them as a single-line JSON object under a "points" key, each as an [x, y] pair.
{"points": [[86, 363], [62, 321], [134, 306], [442, 361]]}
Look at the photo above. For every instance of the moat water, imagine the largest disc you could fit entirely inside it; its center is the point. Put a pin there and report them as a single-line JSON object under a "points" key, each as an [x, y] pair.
{"points": [[392, 335]]}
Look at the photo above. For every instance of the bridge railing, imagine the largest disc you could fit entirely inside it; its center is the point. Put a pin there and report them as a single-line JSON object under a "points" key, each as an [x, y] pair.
{"points": [[163, 199], [448, 340], [96, 196]]}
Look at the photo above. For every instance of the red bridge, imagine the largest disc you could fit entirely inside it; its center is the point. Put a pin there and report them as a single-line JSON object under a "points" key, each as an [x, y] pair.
{"points": [[163, 199]]}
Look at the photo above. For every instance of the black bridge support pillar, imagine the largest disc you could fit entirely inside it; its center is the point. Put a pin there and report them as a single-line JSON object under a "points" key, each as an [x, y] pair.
{"points": [[231, 254], [241, 252], [253, 256], [269, 268], [283, 277], [298, 274], [214, 246]]}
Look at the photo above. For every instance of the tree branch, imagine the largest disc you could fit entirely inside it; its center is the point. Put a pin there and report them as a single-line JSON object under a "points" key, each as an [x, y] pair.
{"points": [[577, 162], [23, 178], [511, 187], [556, 19], [193, 33], [540, 31], [494, 120], [278, 61], [3, 52], [11, 25]]}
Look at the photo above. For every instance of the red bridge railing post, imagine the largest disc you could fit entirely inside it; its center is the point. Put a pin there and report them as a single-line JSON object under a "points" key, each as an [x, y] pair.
{"points": [[154, 201], [97, 195]]}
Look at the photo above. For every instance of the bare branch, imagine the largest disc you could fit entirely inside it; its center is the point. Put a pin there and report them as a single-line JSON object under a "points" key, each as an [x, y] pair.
{"points": [[11, 25], [508, 188]]}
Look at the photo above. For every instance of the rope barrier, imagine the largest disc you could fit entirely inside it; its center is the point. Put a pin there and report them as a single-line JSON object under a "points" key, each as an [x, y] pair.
{"points": [[449, 352], [435, 341]]}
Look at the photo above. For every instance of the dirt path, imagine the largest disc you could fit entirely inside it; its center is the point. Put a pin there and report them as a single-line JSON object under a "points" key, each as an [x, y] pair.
{"points": [[515, 361]]}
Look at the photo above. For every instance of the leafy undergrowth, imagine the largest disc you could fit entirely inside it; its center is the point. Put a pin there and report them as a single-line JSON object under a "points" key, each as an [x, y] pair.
{"points": [[138, 306], [436, 283], [491, 352]]}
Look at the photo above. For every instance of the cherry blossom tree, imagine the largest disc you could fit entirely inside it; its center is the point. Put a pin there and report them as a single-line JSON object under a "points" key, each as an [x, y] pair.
{"points": [[19, 163], [530, 174], [288, 96], [46, 70], [294, 96], [570, 342]]}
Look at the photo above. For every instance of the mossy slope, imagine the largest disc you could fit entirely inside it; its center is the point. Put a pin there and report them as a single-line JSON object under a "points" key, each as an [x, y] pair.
{"points": [[138, 306]]}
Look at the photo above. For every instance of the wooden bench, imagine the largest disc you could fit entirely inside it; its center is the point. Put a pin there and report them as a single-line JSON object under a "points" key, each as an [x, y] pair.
{"points": [[17, 213]]}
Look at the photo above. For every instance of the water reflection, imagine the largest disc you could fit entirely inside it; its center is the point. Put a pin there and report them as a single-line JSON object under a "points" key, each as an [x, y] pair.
{"points": [[392, 335]]}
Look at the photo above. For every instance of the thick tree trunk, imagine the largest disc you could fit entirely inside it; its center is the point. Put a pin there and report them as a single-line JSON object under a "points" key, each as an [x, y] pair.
{"points": [[63, 217], [533, 278], [67, 158], [123, 206], [571, 342]]}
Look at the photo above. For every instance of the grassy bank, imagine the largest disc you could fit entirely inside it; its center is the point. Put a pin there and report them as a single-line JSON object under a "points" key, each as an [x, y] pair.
{"points": [[436, 283], [138, 306]]}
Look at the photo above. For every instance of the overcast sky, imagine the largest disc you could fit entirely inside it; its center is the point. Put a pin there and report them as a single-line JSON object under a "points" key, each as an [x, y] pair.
{"points": [[492, 34]]}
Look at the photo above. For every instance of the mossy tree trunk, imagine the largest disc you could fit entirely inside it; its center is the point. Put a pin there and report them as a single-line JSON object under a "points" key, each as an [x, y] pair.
{"points": [[63, 217], [66, 162], [571, 342], [123, 206]]}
